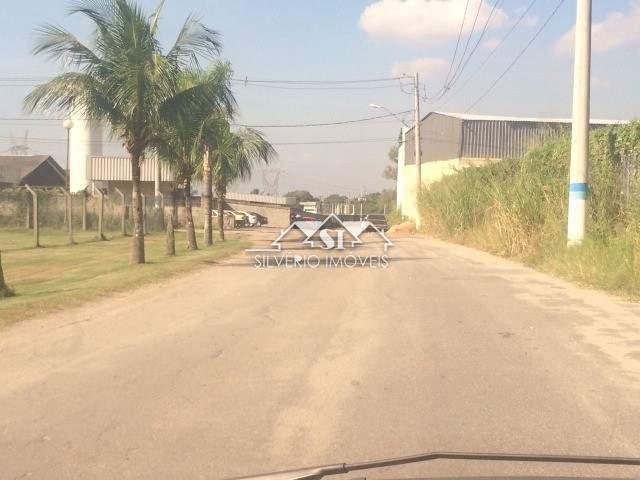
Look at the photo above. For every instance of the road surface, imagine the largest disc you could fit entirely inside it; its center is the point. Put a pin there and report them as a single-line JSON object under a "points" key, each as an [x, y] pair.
{"points": [[234, 370]]}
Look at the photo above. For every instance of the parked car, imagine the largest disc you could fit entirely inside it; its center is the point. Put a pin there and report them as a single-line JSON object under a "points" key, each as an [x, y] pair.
{"points": [[302, 216], [240, 218], [378, 220], [229, 218], [262, 220], [253, 219]]}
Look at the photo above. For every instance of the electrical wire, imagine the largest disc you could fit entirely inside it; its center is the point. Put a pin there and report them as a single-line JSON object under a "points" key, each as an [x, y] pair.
{"points": [[325, 124], [334, 142], [466, 46], [455, 52], [318, 82], [288, 87], [451, 81], [488, 57], [515, 60], [457, 76], [284, 143]]}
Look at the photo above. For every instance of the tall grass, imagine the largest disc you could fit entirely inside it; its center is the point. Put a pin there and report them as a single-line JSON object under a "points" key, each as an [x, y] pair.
{"points": [[517, 208]]}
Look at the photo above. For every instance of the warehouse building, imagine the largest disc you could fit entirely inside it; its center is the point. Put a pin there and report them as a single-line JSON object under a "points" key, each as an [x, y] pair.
{"points": [[452, 141]]}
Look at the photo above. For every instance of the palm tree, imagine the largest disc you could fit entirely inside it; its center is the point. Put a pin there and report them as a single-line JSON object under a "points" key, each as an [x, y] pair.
{"points": [[124, 79], [5, 291], [180, 142], [233, 156]]}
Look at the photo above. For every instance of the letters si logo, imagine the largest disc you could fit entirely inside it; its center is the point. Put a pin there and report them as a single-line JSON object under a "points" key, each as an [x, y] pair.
{"points": [[329, 242]]}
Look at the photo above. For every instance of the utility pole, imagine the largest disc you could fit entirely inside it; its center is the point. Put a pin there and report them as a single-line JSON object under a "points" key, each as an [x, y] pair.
{"points": [[578, 181], [417, 147]]}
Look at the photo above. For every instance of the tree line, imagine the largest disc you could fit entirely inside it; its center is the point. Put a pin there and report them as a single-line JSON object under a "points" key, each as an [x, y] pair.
{"points": [[155, 101]]}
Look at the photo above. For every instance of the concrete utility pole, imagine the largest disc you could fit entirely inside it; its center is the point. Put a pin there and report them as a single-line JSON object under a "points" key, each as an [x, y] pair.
{"points": [[417, 148], [578, 182]]}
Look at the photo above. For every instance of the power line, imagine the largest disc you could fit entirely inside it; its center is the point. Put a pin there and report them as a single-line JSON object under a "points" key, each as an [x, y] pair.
{"points": [[239, 79], [343, 122], [462, 65], [289, 87], [335, 142], [488, 57], [455, 52], [457, 76], [466, 46], [515, 60], [324, 124], [284, 143], [320, 82]]}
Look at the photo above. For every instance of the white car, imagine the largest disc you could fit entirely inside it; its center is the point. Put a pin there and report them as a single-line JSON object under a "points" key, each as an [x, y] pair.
{"points": [[252, 219]]}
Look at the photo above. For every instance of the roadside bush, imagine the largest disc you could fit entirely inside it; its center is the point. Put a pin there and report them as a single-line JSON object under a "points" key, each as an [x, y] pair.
{"points": [[518, 207]]}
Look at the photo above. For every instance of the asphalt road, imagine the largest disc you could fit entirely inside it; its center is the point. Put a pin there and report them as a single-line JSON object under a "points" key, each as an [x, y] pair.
{"points": [[234, 370]]}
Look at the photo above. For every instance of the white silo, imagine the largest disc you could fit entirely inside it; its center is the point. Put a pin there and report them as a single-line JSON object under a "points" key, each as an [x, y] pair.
{"points": [[85, 141]]}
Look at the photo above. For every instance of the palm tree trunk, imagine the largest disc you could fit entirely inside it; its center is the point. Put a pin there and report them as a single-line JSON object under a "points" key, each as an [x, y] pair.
{"points": [[137, 241], [5, 291], [191, 230], [221, 214], [207, 199], [174, 205], [170, 240]]}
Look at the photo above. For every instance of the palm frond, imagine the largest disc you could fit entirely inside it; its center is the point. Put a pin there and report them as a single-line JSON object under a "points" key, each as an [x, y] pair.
{"points": [[155, 18], [202, 94], [73, 91], [58, 44], [236, 154], [194, 40]]}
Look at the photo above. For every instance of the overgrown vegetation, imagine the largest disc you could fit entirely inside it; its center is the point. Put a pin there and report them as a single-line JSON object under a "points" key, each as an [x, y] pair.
{"points": [[518, 208]]}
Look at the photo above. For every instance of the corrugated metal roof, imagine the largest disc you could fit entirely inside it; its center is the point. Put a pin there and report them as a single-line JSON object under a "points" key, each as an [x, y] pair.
{"points": [[249, 197], [471, 116]]}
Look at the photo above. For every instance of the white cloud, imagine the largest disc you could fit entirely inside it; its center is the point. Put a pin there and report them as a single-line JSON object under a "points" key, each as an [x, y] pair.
{"points": [[425, 20], [426, 67], [617, 29]]}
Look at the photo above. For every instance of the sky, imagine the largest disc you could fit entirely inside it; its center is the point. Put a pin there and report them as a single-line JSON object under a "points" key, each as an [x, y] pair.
{"points": [[357, 40]]}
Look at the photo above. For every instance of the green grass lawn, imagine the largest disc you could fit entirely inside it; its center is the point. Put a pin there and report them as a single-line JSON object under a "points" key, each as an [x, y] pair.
{"points": [[59, 276]]}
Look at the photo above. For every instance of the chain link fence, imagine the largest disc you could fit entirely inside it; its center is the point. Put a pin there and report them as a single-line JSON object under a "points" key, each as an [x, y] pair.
{"points": [[46, 210]]}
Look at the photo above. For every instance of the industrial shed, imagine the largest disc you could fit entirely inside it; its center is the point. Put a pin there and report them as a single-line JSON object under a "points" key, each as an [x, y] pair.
{"points": [[451, 141]]}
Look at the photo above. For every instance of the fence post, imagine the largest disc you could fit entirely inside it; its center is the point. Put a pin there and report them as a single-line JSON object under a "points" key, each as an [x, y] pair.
{"points": [[36, 223], [144, 213], [84, 210], [69, 202], [28, 222], [123, 212], [100, 214]]}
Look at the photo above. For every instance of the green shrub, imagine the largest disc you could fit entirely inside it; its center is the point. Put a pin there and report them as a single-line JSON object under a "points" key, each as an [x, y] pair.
{"points": [[518, 208]]}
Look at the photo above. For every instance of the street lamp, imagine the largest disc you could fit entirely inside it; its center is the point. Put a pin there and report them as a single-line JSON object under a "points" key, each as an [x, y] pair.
{"points": [[68, 125], [380, 107]]}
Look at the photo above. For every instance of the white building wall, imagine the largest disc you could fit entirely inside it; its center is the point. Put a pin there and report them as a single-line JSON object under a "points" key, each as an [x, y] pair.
{"points": [[432, 172]]}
